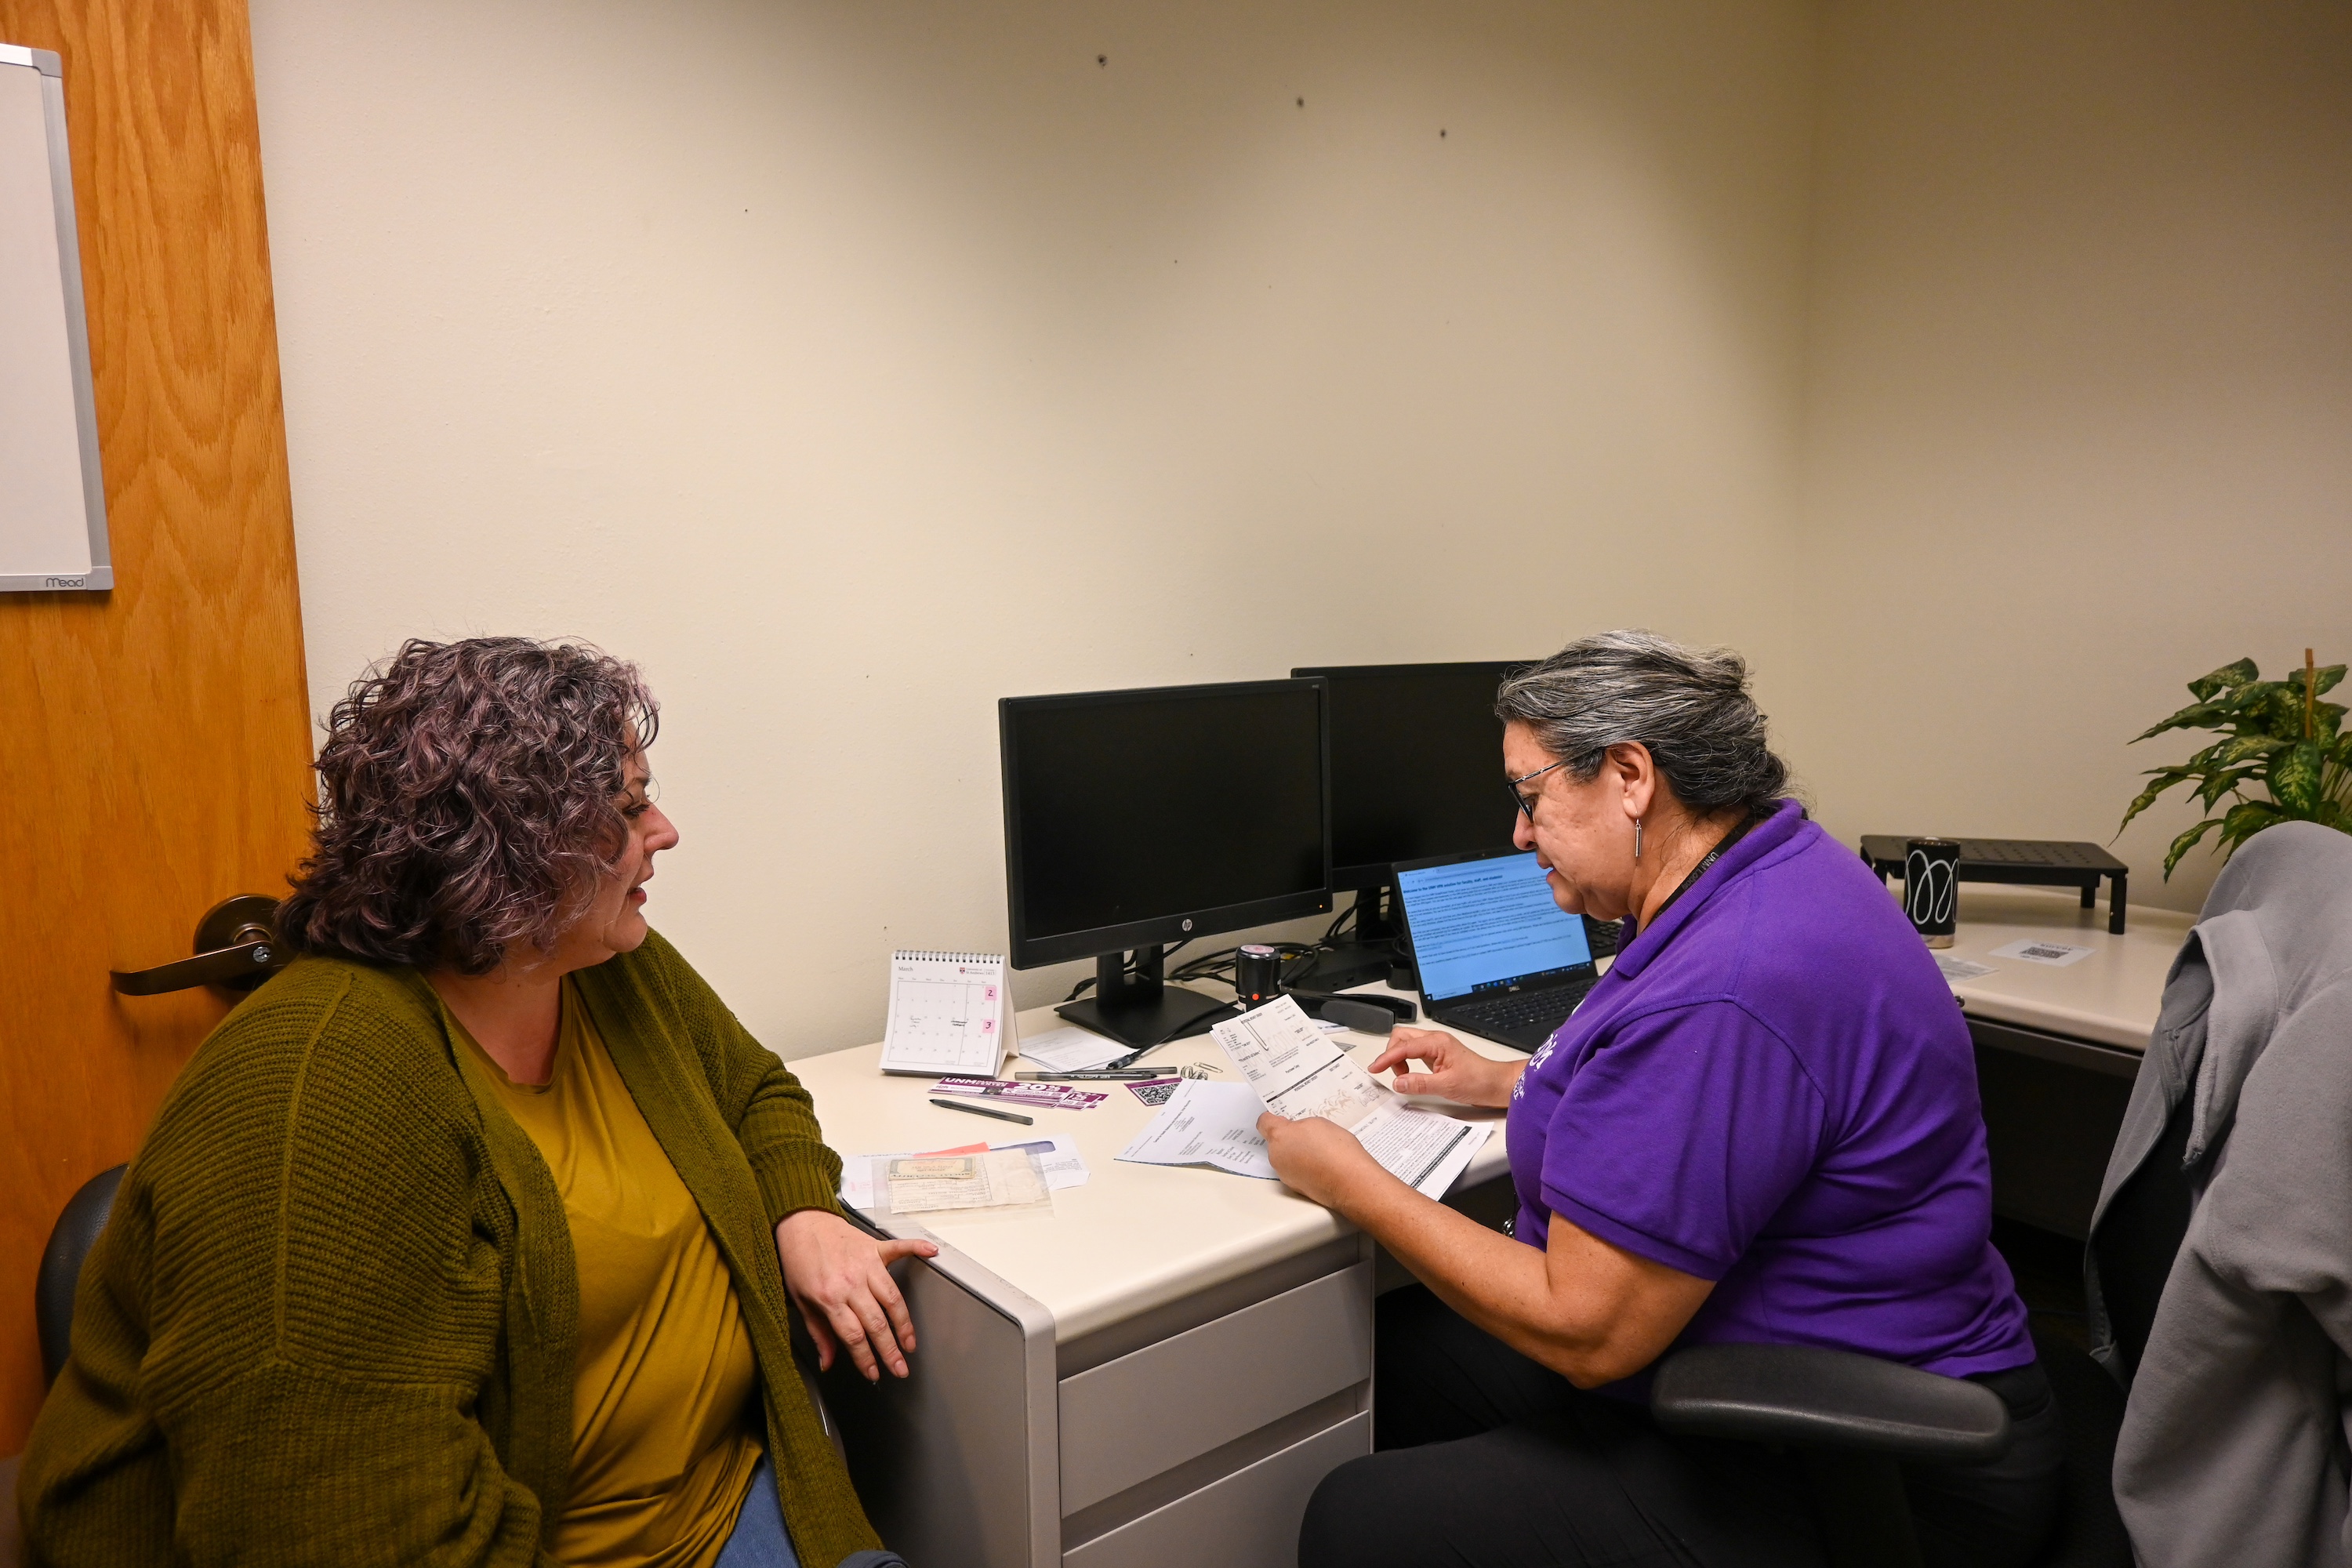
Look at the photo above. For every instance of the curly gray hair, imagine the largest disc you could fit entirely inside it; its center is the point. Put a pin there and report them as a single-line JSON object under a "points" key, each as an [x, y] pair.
{"points": [[1689, 706]]}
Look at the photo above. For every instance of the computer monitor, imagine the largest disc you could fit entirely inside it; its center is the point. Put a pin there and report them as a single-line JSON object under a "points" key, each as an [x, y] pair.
{"points": [[1137, 818], [1416, 771]]}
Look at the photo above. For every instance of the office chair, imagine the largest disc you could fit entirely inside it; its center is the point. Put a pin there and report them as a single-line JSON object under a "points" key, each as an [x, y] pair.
{"points": [[1855, 1418], [53, 1300], [69, 1243]]}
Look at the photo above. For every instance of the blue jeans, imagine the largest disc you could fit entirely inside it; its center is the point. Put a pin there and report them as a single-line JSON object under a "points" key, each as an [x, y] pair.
{"points": [[760, 1540]]}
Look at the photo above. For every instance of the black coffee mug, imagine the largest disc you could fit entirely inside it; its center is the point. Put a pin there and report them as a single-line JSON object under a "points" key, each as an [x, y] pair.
{"points": [[1931, 879]]}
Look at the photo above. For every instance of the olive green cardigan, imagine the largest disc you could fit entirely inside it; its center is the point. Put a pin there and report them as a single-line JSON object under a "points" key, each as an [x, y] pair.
{"points": [[331, 1320]]}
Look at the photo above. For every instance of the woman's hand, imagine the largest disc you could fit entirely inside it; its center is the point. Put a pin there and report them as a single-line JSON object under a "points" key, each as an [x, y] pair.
{"points": [[1318, 1158], [840, 1278], [1455, 1071]]}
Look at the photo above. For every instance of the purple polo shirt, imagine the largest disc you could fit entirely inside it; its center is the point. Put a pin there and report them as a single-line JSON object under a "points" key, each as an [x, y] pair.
{"points": [[1773, 1089]]}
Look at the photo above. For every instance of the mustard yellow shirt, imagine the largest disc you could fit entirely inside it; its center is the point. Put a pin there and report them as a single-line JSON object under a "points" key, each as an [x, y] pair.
{"points": [[664, 1427]]}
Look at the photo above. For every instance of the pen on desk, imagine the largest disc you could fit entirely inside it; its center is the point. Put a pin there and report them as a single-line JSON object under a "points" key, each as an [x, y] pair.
{"points": [[984, 1111], [1123, 1074]]}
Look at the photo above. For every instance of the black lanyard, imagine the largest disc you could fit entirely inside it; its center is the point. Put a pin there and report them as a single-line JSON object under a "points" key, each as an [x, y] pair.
{"points": [[1718, 853]]}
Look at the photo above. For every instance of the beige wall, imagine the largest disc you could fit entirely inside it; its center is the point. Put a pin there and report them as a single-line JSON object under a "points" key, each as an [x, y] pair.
{"points": [[852, 365], [1985, 372], [2079, 400]]}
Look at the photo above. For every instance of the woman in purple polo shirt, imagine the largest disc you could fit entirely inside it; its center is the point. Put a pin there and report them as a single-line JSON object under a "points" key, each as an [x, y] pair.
{"points": [[1760, 1126]]}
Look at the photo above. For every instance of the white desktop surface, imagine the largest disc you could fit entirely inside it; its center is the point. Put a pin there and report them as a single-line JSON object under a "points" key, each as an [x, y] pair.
{"points": [[1135, 1236], [2111, 997], [1139, 1237]]}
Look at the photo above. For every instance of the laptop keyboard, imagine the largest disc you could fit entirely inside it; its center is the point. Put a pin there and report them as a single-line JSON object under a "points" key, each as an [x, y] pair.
{"points": [[1525, 1009]]}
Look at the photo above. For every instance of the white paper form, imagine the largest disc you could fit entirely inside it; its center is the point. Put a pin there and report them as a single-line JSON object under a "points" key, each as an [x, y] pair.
{"points": [[1073, 1049], [1205, 1124], [1297, 1072]]}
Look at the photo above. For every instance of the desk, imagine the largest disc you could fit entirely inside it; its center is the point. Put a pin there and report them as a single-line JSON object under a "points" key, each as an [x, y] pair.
{"points": [[2057, 1048], [1156, 1374], [1160, 1372]]}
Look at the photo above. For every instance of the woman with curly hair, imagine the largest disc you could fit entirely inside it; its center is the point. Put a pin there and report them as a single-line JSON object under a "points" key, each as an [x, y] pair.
{"points": [[473, 1236]]}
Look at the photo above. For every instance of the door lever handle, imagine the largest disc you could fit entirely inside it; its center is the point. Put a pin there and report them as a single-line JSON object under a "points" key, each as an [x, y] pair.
{"points": [[237, 949]]}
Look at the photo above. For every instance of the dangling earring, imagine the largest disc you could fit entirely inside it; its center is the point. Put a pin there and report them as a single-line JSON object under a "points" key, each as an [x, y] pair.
{"points": [[1637, 838]]}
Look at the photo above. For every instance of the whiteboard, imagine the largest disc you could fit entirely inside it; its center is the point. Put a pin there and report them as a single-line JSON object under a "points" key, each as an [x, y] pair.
{"points": [[52, 502]]}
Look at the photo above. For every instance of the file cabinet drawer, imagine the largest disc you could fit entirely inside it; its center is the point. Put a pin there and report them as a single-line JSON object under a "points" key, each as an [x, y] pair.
{"points": [[1248, 1520], [1128, 1420]]}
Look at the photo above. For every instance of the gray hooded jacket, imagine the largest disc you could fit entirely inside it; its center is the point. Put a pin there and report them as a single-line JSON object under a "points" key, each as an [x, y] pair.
{"points": [[2235, 1440]]}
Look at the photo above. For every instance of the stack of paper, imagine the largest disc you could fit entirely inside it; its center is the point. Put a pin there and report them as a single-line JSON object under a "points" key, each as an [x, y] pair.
{"points": [[993, 1179], [1294, 1072], [863, 1185]]}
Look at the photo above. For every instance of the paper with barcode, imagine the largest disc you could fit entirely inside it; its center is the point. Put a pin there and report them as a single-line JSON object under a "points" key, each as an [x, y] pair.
{"points": [[1296, 1071], [2057, 954]]}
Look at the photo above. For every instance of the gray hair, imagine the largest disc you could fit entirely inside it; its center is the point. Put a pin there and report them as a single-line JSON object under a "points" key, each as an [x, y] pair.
{"points": [[1689, 706]]}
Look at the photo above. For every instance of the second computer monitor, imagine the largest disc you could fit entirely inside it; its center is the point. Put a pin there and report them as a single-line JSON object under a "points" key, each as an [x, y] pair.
{"points": [[1416, 764]]}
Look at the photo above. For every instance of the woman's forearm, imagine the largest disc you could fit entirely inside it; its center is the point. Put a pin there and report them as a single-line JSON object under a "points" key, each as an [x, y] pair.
{"points": [[1503, 1285], [1581, 1308]]}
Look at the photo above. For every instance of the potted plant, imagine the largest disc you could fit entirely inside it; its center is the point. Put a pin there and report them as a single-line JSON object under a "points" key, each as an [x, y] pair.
{"points": [[2274, 733]]}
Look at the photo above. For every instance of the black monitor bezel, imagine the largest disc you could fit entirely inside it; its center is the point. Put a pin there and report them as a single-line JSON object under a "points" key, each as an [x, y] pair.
{"points": [[1382, 873], [1031, 952]]}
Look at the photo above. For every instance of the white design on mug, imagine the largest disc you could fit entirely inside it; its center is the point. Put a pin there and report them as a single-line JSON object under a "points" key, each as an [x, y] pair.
{"points": [[1927, 889]]}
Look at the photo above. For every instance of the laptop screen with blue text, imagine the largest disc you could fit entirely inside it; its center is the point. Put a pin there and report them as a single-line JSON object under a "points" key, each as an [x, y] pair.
{"points": [[1487, 924]]}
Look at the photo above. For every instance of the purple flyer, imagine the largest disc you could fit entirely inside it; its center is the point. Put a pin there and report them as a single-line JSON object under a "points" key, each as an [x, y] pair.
{"points": [[1054, 1096]]}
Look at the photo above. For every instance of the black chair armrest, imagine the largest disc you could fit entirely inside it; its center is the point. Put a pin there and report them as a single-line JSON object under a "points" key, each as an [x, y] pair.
{"points": [[1816, 1398]]}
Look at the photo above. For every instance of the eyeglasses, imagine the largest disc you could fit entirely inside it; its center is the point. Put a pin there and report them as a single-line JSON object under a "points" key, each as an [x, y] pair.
{"points": [[1511, 788]]}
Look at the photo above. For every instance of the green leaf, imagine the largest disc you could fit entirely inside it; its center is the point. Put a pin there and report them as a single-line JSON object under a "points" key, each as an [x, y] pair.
{"points": [[2220, 784], [2246, 819], [2230, 753], [2330, 677], [2186, 842], [2196, 716], [2238, 674], [2278, 709], [2165, 779], [2294, 777]]}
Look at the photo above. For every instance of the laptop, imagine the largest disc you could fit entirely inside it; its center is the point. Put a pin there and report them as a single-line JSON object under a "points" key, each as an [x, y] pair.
{"points": [[1498, 958]]}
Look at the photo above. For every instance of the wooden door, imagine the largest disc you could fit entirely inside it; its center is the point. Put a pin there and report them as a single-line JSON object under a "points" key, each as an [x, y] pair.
{"points": [[154, 740]]}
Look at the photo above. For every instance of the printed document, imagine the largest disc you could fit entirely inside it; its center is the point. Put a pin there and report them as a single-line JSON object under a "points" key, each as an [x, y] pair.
{"points": [[1298, 1072], [1073, 1049], [1205, 1124], [993, 1179]]}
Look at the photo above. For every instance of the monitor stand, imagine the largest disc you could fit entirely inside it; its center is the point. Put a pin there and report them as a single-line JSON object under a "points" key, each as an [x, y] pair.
{"points": [[1366, 956], [1137, 1008]]}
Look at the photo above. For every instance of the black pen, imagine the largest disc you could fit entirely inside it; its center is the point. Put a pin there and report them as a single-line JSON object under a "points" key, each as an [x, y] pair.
{"points": [[1118, 1075], [985, 1110]]}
